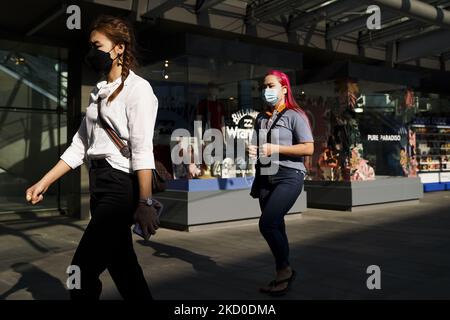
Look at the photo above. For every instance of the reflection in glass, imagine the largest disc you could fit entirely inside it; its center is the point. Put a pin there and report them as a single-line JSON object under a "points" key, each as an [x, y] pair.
{"points": [[33, 99]]}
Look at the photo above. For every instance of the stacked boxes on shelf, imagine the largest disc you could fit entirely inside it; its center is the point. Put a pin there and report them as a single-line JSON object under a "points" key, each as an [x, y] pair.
{"points": [[433, 153]]}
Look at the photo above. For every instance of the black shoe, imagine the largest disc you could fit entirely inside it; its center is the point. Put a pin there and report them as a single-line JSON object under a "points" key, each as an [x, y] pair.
{"points": [[279, 293]]}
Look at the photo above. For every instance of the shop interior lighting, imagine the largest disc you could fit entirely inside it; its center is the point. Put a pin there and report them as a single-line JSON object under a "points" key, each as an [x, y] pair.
{"points": [[18, 60]]}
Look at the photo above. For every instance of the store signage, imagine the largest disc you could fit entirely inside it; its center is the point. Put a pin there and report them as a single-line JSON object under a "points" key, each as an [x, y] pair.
{"points": [[383, 137], [189, 150], [429, 177], [445, 176], [244, 121]]}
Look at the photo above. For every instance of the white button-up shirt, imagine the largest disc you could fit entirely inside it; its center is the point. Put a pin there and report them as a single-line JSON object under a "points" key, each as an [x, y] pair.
{"points": [[132, 114]]}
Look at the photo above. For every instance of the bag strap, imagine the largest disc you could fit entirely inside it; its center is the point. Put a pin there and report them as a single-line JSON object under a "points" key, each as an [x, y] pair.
{"points": [[158, 182], [271, 127], [275, 122], [268, 132], [123, 148]]}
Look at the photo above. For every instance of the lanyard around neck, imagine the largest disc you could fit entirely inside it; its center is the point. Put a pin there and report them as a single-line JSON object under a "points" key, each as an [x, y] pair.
{"points": [[279, 109]]}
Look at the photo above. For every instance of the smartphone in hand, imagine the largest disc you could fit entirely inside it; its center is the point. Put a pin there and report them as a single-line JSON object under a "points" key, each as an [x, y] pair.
{"points": [[137, 228]]}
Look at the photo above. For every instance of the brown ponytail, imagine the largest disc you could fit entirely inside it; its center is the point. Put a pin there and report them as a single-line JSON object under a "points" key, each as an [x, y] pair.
{"points": [[119, 31]]}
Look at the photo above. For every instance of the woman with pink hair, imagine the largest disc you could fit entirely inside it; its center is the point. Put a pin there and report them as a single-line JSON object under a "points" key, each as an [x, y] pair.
{"points": [[290, 139]]}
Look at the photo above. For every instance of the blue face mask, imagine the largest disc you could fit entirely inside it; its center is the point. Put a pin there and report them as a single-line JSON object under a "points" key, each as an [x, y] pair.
{"points": [[270, 96]]}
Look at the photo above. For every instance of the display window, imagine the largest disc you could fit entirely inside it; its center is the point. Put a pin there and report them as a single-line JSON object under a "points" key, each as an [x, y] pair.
{"points": [[202, 95], [364, 129]]}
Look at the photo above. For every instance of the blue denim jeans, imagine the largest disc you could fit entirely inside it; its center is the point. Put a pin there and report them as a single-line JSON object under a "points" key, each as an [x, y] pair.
{"points": [[278, 194]]}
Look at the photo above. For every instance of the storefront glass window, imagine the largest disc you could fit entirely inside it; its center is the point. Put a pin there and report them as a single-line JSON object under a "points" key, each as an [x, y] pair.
{"points": [[221, 94], [361, 129], [430, 128], [33, 88]]}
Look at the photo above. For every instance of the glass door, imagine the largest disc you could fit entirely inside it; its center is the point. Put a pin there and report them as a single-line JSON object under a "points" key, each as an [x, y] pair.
{"points": [[33, 118]]}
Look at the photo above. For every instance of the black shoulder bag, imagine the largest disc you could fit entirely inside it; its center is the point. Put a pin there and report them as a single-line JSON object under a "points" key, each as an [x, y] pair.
{"points": [[256, 185], [158, 181]]}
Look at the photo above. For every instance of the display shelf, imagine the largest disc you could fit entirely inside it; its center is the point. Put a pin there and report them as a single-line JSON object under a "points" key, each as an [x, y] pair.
{"points": [[433, 154], [432, 148], [213, 184], [430, 126], [354, 195], [438, 148], [431, 134], [434, 141]]}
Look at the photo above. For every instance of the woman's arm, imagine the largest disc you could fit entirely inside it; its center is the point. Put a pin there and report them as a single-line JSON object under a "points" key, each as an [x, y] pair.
{"points": [[60, 169], [35, 193], [146, 216], [296, 150], [145, 183], [302, 133], [72, 158], [141, 112], [75, 153]]}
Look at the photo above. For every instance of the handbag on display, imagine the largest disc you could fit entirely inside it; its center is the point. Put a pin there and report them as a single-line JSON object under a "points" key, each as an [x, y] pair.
{"points": [[159, 174]]}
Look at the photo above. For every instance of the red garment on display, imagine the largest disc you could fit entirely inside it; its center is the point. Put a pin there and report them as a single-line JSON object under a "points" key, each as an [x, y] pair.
{"points": [[409, 98], [215, 111]]}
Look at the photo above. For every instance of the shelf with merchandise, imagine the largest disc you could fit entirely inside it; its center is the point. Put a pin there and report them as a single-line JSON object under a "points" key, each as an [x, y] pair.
{"points": [[432, 133], [435, 148], [444, 143], [433, 155], [432, 147]]}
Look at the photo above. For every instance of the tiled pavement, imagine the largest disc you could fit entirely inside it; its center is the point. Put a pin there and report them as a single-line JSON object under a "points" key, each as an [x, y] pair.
{"points": [[330, 250]]}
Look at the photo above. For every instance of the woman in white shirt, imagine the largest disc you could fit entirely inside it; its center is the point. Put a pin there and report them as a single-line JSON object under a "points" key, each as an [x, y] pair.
{"points": [[120, 187]]}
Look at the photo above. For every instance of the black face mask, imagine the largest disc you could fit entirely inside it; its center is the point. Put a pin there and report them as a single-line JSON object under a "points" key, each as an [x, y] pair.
{"points": [[99, 60]]}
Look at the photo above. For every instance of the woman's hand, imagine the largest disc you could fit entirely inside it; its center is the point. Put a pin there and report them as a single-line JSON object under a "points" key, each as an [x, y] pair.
{"points": [[148, 220], [268, 149], [35, 193], [252, 151]]}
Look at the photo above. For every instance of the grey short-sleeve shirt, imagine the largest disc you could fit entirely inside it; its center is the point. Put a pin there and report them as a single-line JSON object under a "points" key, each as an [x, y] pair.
{"points": [[292, 128]]}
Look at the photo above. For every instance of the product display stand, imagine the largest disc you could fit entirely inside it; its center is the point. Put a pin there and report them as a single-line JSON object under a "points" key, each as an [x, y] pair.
{"points": [[354, 195], [194, 202], [433, 153]]}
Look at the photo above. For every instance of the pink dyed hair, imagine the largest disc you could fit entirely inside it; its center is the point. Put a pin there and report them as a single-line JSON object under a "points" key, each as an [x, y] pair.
{"points": [[289, 100]]}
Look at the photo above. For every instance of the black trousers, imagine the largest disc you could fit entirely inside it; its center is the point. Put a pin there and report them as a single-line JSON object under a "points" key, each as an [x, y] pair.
{"points": [[107, 240], [278, 194]]}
